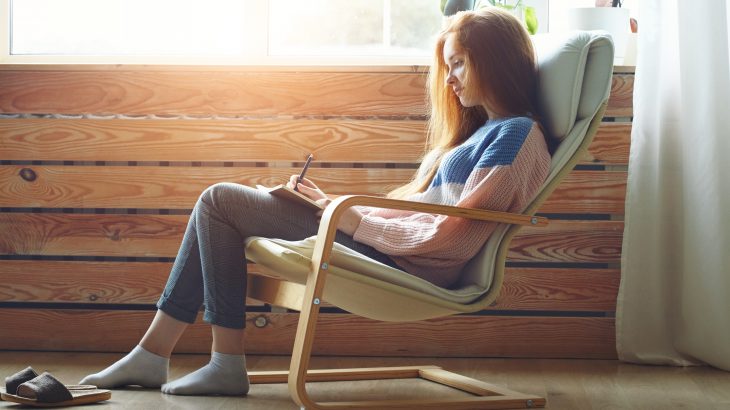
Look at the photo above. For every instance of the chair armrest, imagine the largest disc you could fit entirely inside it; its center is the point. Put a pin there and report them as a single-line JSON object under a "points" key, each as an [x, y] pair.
{"points": [[347, 201], [333, 212]]}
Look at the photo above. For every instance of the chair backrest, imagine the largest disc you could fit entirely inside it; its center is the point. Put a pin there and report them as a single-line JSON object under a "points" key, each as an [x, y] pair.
{"points": [[575, 72]]}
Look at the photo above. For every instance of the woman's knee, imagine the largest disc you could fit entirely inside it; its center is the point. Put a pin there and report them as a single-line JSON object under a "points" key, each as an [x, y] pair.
{"points": [[221, 195]]}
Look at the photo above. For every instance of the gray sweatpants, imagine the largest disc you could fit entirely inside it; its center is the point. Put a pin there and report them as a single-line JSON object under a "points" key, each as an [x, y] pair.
{"points": [[210, 267]]}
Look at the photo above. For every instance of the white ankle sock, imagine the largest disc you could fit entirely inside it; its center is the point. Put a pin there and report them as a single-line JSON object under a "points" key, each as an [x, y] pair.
{"points": [[225, 374], [139, 367]]}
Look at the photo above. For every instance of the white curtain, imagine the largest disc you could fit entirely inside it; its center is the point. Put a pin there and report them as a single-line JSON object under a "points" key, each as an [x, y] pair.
{"points": [[674, 299]]}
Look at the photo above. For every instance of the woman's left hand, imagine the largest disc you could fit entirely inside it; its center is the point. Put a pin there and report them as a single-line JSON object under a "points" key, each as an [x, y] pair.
{"points": [[349, 221]]}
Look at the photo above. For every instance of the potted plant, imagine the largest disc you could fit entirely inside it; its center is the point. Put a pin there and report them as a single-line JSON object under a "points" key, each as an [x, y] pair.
{"points": [[524, 13]]}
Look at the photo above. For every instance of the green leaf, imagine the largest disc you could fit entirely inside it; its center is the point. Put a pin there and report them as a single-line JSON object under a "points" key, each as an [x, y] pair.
{"points": [[455, 6], [531, 19], [506, 7], [443, 4]]}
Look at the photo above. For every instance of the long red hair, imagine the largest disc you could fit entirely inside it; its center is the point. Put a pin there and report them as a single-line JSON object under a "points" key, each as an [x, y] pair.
{"points": [[500, 63]]}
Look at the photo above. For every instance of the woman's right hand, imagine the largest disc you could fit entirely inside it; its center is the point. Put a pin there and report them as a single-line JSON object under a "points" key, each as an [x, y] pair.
{"points": [[306, 188], [349, 221]]}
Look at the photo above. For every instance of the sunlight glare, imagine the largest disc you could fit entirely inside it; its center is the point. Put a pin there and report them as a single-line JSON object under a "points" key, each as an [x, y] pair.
{"points": [[127, 27]]}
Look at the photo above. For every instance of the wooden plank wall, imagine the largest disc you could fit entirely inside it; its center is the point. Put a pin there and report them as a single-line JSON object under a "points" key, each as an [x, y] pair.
{"points": [[100, 166]]}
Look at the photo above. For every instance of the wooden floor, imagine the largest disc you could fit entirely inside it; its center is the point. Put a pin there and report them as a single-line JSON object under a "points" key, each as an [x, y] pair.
{"points": [[567, 384]]}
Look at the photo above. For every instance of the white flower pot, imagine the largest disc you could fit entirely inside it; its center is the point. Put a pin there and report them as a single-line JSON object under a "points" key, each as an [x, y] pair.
{"points": [[615, 20]]}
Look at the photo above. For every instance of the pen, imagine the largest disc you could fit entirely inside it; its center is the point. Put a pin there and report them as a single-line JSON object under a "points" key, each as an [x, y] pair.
{"points": [[304, 171]]}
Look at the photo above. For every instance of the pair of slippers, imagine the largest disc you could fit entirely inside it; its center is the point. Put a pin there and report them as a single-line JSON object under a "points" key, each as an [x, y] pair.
{"points": [[28, 388]]}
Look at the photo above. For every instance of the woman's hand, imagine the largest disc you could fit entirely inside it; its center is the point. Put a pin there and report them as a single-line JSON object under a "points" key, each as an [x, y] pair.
{"points": [[306, 188], [349, 221]]}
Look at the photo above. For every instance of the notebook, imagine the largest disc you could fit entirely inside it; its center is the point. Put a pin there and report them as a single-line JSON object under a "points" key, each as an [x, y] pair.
{"points": [[284, 191]]}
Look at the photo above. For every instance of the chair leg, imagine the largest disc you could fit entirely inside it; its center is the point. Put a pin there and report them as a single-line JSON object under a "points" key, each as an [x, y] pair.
{"points": [[485, 396]]}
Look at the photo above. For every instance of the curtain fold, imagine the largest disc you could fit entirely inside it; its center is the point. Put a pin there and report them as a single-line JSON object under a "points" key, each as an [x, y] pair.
{"points": [[674, 299]]}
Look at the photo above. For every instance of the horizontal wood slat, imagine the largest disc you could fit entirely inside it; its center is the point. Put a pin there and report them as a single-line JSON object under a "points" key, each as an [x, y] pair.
{"points": [[556, 289], [232, 93], [569, 241], [82, 282], [168, 187], [341, 140], [141, 283], [344, 140], [588, 192], [337, 334], [179, 187], [160, 236], [621, 99], [610, 145], [92, 235]]}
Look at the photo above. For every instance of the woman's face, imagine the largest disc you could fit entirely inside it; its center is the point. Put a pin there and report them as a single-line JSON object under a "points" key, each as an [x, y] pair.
{"points": [[455, 59]]}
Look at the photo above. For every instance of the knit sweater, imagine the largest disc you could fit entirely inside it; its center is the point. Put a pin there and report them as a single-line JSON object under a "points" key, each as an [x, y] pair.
{"points": [[500, 167]]}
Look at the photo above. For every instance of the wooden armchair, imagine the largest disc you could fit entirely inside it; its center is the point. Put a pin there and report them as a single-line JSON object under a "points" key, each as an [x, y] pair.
{"points": [[575, 77]]}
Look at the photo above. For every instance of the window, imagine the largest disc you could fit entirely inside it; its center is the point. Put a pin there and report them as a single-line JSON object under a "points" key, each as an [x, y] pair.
{"points": [[221, 31], [126, 27], [353, 27], [266, 32]]}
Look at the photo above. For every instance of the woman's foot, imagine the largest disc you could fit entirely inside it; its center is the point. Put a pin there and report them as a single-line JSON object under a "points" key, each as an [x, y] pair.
{"points": [[138, 368], [225, 374]]}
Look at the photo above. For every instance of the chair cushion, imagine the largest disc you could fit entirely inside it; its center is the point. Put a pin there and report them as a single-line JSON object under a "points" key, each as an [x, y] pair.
{"points": [[292, 260], [568, 88]]}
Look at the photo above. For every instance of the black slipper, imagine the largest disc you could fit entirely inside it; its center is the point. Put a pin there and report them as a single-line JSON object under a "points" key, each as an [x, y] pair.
{"points": [[46, 391], [12, 382]]}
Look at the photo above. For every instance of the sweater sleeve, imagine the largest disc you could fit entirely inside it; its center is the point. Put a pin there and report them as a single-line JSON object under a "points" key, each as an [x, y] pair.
{"points": [[421, 233], [496, 183]]}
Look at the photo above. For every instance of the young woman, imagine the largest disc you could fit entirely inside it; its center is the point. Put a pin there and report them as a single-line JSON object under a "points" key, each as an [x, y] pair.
{"points": [[485, 150]]}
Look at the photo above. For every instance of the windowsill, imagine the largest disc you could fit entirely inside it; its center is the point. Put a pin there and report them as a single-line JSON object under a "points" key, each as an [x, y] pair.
{"points": [[213, 68], [404, 68], [222, 61]]}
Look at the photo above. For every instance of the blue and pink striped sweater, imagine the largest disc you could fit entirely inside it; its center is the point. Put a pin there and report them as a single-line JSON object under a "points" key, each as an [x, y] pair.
{"points": [[500, 167]]}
